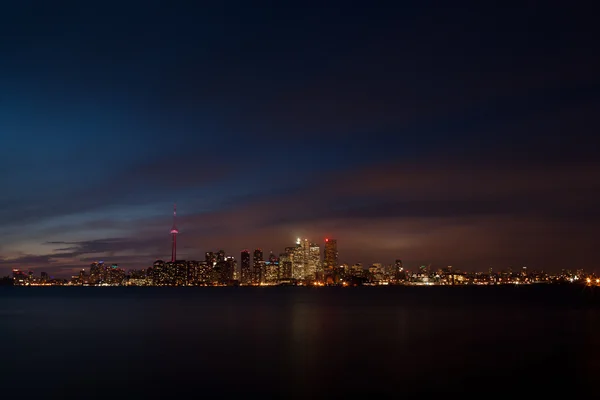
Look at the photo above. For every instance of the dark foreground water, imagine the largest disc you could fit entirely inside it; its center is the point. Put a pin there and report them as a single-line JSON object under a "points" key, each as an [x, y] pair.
{"points": [[298, 342]]}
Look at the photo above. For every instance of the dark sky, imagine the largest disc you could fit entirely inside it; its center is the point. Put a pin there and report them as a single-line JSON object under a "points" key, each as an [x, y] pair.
{"points": [[461, 135]]}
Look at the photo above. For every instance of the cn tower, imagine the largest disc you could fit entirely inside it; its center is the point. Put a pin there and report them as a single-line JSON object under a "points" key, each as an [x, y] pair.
{"points": [[174, 233]]}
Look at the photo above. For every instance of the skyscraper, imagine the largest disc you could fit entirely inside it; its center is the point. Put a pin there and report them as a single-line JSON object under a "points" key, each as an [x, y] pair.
{"points": [[192, 273], [210, 258], [159, 273], [286, 261], [300, 257], [245, 270], [331, 254], [398, 273], [258, 267], [229, 265], [98, 273], [19, 277], [306, 260], [332, 274], [272, 269], [313, 269]]}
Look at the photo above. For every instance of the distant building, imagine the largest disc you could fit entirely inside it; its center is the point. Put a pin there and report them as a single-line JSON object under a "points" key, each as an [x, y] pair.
{"points": [[300, 259], [20, 278], [313, 269], [245, 268], [204, 273], [258, 267], [330, 259], [272, 269], [159, 273], [226, 268], [286, 260], [210, 258], [192, 273], [98, 273]]}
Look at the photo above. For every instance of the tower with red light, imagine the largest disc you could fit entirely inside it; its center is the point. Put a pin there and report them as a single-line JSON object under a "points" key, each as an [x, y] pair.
{"points": [[331, 254], [174, 233]]}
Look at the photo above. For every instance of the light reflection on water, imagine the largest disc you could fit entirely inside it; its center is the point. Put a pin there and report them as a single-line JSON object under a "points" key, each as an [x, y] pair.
{"points": [[297, 342]]}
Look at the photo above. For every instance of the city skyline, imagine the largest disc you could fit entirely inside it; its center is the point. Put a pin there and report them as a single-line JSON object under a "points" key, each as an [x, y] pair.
{"points": [[438, 135], [325, 258]]}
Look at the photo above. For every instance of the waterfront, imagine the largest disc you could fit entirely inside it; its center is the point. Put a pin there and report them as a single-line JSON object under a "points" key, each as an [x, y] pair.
{"points": [[298, 342]]}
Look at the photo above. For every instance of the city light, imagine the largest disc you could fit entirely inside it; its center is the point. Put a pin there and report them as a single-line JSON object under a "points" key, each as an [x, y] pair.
{"points": [[302, 264]]}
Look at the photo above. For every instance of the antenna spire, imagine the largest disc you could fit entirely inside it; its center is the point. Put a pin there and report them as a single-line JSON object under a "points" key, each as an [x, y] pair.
{"points": [[174, 233]]}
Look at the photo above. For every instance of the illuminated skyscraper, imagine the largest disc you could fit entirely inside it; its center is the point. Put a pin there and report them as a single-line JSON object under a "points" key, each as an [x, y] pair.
{"points": [[98, 273], [192, 273], [330, 260], [181, 273], [306, 260], [313, 269], [258, 267], [286, 261], [159, 273], [272, 269], [300, 257], [398, 273], [19, 277], [245, 269], [115, 276], [210, 258], [224, 268], [331, 271], [204, 273], [227, 270]]}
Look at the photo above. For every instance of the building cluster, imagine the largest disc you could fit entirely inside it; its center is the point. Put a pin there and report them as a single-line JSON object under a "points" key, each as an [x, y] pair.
{"points": [[303, 264]]}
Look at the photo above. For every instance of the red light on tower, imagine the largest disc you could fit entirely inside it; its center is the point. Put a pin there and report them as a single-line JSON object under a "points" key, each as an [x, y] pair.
{"points": [[327, 240]]}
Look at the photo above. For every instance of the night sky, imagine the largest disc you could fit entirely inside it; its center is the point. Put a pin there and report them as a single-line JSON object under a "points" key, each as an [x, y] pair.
{"points": [[451, 135]]}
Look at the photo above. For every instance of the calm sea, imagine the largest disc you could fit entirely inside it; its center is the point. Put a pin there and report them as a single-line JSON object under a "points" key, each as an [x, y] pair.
{"points": [[290, 342]]}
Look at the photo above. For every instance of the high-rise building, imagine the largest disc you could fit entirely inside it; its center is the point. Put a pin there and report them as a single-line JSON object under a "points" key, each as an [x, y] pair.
{"points": [[357, 270], [159, 273], [220, 255], [192, 273], [44, 277], [83, 278], [398, 272], [210, 258], [115, 276], [332, 273], [313, 269], [272, 269], [306, 260], [286, 261], [258, 267], [181, 273], [245, 269], [98, 273], [227, 270], [300, 257], [330, 260], [19, 277], [170, 274]]}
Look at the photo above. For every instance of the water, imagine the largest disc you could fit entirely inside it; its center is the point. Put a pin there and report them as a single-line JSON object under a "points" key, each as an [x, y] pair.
{"points": [[297, 342]]}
